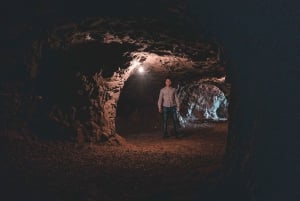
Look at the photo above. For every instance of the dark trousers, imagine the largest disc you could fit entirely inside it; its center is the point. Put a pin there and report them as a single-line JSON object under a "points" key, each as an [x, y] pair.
{"points": [[169, 111]]}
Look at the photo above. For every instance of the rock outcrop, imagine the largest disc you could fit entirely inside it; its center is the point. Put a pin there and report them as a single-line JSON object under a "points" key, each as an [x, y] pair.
{"points": [[202, 101]]}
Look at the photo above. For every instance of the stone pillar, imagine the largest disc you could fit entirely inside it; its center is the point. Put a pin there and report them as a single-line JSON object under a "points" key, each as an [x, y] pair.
{"points": [[104, 94]]}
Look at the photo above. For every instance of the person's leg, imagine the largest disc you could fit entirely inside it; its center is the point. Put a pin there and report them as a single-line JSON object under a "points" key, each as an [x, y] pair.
{"points": [[174, 118], [165, 121]]}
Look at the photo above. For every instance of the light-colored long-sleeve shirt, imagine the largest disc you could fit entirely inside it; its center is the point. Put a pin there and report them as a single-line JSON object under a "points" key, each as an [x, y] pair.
{"points": [[168, 98]]}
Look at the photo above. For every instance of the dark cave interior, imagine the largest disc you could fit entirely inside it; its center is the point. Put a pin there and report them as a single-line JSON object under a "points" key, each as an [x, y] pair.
{"points": [[137, 109], [56, 80], [79, 122]]}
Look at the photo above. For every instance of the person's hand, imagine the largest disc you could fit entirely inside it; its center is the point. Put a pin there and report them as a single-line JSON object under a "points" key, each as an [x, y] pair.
{"points": [[159, 110], [177, 109]]}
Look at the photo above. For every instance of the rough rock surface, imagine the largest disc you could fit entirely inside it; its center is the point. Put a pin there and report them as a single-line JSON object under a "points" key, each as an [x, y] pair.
{"points": [[202, 101]]}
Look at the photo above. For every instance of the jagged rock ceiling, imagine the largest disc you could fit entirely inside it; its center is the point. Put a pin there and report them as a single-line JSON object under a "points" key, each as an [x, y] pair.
{"points": [[156, 45]]}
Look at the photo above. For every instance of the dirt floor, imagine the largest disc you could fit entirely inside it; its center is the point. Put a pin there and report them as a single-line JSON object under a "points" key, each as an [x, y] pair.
{"points": [[146, 168]]}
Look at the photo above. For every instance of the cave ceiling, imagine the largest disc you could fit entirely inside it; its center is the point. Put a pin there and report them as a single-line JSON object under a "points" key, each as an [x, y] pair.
{"points": [[157, 46]]}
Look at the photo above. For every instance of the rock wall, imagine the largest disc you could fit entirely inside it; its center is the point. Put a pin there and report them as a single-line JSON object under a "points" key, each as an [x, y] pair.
{"points": [[202, 101]]}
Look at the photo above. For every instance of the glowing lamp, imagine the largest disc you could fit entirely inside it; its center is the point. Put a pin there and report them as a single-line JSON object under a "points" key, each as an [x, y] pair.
{"points": [[141, 69]]}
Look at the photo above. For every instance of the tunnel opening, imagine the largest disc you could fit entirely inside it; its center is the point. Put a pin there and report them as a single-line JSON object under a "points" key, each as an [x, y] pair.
{"points": [[137, 107], [204, 102]]}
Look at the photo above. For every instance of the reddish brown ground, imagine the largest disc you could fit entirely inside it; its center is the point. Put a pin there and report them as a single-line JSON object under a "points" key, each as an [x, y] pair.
{"points": [[147, 168]]}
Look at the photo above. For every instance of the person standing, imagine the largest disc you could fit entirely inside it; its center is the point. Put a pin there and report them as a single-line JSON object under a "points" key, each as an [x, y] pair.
{"points": [[168, 103]]}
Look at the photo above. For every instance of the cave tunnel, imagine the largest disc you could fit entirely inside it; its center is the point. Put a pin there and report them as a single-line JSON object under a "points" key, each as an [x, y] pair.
{"points": [[79, 121], [88, 80]]}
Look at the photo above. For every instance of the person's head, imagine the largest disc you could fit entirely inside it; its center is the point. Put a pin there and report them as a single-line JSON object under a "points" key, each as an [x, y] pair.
{"points": [[168, 82]]}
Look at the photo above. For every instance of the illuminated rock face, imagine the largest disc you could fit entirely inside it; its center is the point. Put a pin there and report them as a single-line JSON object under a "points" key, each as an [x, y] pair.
{"points": [[103, 95], [200, 102]]}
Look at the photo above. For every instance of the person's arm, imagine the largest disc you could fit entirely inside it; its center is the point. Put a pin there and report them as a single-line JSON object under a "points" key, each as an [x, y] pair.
{"points": [[159, 102]]}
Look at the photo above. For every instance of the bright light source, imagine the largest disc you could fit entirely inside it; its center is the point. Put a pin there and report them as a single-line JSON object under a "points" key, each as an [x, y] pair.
{"points": [[135, 63], [141, 69]]}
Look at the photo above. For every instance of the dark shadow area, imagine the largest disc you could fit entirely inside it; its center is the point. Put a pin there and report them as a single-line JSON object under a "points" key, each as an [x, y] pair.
{"points": [[137, 110], [58, 78], [59, 83]]}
